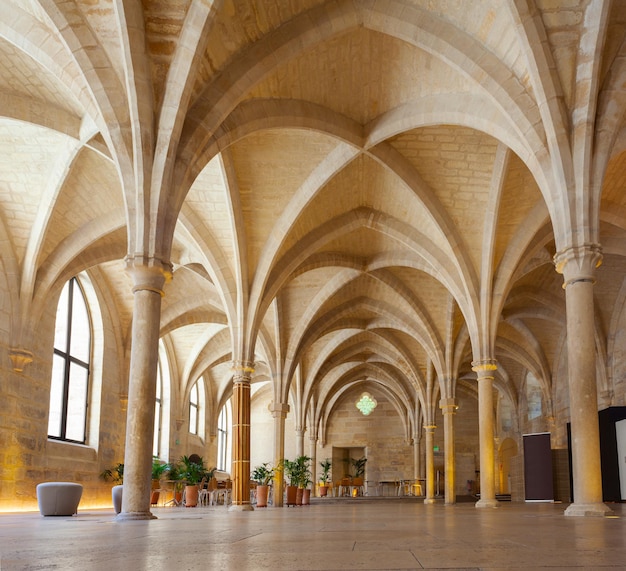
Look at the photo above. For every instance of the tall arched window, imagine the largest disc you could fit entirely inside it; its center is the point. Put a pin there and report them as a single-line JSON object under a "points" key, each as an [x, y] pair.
{"points": [[69, 388], [533, 396], [194, 405], [223, 423], [158, 412]]}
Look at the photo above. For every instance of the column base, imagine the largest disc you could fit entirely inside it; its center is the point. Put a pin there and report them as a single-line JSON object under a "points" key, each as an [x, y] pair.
{"points": [[430, 501], [588, 510], [133, 516], [486, 503], [240, 508]]}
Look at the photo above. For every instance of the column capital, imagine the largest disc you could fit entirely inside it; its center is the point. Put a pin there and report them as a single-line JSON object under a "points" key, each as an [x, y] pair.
{"points": [[448, 406], [148, 274], [278, 409], [430, 427], [242, 371], [484, 366], [20, 358], [578, 263]]}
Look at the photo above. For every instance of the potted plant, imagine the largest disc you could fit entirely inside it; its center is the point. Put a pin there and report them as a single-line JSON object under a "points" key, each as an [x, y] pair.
{"points": [[115, 474], [262, 475], [192, 473], [303, 477], [359, 466], [291, 473], [325, 477], [159, 469], [306, 491]]}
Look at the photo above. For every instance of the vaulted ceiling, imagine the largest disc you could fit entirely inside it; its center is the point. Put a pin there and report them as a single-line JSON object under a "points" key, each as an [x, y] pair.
{"points": [[348, 190]]}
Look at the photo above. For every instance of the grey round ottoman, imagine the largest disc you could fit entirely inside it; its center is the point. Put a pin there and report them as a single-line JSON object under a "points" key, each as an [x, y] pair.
{"points": [[59, 498]]}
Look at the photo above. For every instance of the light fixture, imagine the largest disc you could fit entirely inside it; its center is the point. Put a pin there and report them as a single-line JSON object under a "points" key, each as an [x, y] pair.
{"points": [[366, 404]]}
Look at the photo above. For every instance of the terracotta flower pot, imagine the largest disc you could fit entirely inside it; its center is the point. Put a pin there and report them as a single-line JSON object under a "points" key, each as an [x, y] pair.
{"points": [[306, 497], [323, 491], [299, 493], [292, 492], [191, 496], [262, 492]]}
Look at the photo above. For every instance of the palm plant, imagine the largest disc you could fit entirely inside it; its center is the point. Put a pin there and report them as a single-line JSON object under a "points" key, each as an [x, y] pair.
{"points": [[115, 474], [262, 475], [326, 466], [359, 466]]}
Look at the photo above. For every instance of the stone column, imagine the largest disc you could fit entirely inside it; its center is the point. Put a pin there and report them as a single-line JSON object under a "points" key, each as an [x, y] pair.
{"points": [[279, 412], [448, 408], [485, 373], [578, 267], [148, 282], [417, 464], [313, 456], [429, 432], [241, 435], [300, 441]]}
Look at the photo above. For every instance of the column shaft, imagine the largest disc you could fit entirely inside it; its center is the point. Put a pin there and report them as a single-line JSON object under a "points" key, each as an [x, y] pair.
{"points": [[279, 412], [578, 267], [147, 291], [448, 408], [429, 433], [241, 436], [486, 421]]}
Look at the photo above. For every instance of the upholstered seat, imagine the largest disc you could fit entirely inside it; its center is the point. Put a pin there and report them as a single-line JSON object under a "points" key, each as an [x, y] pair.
{"points": [[59, 498]]}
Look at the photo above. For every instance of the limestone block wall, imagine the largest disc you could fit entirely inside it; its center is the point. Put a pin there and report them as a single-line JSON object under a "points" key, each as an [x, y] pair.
{"points": [[27, 456], [381, 434]]}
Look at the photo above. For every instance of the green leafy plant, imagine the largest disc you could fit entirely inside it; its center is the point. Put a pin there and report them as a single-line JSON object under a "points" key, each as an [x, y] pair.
{"points": [[262, 475], [114, 474], [359, 466], [326, 466], [192, 472], [297, 471], [159, 469]]}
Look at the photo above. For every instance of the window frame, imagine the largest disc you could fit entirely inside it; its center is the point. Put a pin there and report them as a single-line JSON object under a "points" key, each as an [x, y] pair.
{"points": [[69, 363]]}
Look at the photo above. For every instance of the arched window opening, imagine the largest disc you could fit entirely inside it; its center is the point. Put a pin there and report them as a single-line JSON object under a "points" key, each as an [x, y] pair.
{"points": [[223, 430], [69, 388], [533, 397], [158, 412], [193, 409]]}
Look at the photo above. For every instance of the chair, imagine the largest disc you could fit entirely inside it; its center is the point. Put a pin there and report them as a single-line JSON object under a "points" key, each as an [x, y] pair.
{"points": [[210, 494], [224, 492], [357, 485], [344, 486], [203, 493]]}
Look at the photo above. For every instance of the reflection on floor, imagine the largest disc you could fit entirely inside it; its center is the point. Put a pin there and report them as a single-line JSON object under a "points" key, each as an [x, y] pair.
{"points": [[367, 533]]}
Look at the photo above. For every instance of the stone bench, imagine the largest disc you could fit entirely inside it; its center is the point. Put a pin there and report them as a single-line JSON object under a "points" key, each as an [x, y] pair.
{"points": [[59, 498]]}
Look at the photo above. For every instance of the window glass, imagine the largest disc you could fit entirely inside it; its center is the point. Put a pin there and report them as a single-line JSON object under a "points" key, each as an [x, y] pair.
{"points": [[533, 397], [77, 403], [157, 413], [222, 439], [69, 385], [193, 410], [80, 338]]}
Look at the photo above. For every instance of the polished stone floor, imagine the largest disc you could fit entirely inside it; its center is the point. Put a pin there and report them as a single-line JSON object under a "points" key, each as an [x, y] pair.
{"points": [[384, 534]]}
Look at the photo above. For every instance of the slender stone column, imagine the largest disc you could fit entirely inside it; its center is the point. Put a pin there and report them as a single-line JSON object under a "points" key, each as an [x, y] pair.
{"points": [[148, 282], [241, 435], [417, 464], [484, 371], [279, 412], [313, 456], [578, 267], [300, 441], [429, 432], [448, 408]]}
